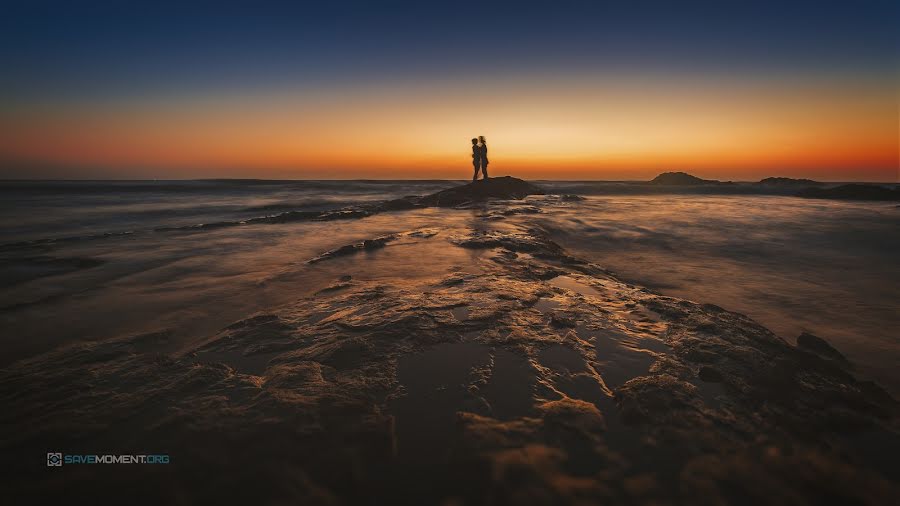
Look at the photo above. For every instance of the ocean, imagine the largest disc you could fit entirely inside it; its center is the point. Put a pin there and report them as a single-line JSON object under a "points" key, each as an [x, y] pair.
{"points": [[90, 260]]}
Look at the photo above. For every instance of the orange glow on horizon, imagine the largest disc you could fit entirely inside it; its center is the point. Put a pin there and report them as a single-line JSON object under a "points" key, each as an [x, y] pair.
{"points": [[607, 129]]}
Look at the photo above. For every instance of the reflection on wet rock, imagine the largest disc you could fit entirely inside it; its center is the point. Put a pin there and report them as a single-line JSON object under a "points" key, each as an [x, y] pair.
{"points": [[499, 361]]}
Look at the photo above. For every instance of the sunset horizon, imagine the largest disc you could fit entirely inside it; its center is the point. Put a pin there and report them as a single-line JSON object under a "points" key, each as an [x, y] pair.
{"points": [[840, 132], [406, 252], [698, 89]]}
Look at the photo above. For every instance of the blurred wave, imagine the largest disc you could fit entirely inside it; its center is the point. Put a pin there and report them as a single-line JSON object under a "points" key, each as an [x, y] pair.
{"points": [[794, 265], [72, 210]]}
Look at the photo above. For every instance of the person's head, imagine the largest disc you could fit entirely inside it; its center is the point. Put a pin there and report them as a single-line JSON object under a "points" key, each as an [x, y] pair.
{"points": [[474, 141], [481, 138]]}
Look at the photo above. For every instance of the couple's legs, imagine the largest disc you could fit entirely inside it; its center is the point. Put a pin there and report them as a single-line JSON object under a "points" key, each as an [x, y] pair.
{"points": [[483, 170]]}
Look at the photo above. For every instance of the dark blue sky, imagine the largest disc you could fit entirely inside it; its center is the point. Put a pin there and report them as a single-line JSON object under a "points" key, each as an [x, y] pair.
{"points": [[118, 47], [599, 89]]}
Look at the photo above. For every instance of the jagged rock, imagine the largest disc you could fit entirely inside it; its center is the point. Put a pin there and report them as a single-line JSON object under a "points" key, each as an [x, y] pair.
{"points": [[366, 245], [505, 187], [400, 204], [819, 346], [710, 374]]}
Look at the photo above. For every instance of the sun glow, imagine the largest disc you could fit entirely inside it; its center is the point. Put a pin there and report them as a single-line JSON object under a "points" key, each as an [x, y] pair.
{"points": [[589, 127]]}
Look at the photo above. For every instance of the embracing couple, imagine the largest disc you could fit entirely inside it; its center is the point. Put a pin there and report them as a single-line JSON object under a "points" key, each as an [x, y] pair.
{"points": [[479, 157]]}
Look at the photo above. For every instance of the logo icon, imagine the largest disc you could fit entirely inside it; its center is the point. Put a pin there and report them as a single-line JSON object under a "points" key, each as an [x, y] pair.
{"points": [[54, 459]]}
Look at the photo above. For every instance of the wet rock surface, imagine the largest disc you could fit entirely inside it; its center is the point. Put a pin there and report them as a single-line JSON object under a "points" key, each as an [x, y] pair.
{"points": [[526, 376], [505, 187], [819, 346], [502, 188]]}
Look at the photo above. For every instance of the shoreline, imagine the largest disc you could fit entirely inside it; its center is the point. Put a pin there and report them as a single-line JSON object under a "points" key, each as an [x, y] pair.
{"points": [[507, 354]]}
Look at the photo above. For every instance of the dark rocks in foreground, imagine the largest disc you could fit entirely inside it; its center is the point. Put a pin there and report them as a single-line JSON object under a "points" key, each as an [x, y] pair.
{"points": [[516, 375], [503, 188], [371, 244], [367, 245], [854, 191], [819, 346]]}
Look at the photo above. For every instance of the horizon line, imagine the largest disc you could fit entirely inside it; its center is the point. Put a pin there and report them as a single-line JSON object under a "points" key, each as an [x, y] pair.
{"points": [[236, 179]]}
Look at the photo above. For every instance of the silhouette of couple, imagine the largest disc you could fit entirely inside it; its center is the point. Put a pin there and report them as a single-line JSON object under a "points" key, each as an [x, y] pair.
{"points": [[479, 157]]}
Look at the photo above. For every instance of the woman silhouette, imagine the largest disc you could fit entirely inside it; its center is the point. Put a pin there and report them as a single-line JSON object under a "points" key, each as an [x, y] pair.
{"points": [[483, 157], [476, 158]]}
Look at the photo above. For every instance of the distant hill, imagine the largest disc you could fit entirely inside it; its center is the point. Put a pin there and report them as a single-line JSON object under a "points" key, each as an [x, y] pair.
{"points": [[680, 178], [788, 181], [852, 192]]}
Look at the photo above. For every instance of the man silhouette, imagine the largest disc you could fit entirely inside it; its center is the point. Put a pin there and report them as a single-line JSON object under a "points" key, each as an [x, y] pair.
{"points": [[476, 158]]}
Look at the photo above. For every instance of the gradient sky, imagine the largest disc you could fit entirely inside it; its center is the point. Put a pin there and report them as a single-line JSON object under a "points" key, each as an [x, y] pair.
{"points": [[562, 90]]}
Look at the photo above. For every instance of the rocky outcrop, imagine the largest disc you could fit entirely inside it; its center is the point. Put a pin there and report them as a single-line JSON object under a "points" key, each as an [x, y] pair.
{"points": [[370, 245], [367, 245], [505, 187], [523, 375], [819, 346]]}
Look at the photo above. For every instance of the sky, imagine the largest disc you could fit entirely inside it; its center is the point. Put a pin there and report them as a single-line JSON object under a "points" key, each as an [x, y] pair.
{"points": [[562, 90]]}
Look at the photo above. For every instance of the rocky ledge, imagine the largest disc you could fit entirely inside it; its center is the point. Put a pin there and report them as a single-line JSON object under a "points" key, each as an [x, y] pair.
{"points": [[503, 188], [523, 375]]}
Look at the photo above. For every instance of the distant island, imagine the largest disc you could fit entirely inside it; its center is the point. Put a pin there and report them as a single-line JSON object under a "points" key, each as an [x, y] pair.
{"points": [[789, 181], [787, 186], [683, 178], [680, 178]]}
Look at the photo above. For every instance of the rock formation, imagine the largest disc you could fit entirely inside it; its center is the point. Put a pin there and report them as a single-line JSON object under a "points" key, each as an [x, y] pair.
{"points": [[787, 181], [679, 178], [523, 375]]}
